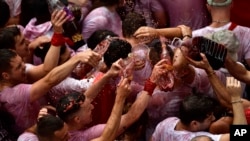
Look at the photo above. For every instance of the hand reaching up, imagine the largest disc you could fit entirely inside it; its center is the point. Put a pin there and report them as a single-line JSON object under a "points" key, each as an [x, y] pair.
{"points": [[115, 69], [58, 18], [89, 57], [203, 64], [146, 34], [233, 87], [159, 69], [123, 88]]}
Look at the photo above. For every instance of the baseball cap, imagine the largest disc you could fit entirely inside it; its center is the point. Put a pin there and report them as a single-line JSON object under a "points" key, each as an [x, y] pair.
{"points": [[228, 39], [219, 2]]}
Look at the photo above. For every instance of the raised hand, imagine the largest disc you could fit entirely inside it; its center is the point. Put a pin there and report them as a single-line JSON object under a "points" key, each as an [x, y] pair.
{"points": [[124, 87], [115, 69], [146, 34], [58, 18], [233, 87], [203, 64], [160, 68], [186, 31], [89, 57]]}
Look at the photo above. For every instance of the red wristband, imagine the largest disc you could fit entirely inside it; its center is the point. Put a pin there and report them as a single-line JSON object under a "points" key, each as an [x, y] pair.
{"points": [[57, 39], [149, 87]]}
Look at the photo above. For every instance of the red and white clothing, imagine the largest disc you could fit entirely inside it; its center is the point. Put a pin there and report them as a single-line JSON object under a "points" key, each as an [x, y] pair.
{"points": [[241, 32], [166, 104]]}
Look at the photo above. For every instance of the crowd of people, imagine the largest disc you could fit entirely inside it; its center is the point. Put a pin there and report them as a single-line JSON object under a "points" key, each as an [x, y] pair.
{"points": [[114, 70]]}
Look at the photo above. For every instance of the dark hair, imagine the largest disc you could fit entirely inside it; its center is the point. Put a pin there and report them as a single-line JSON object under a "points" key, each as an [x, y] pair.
{"points": [[8, 37], [69, 104], [5, 58], [131, 23], [156, 50], [117, 49], [47, 125], [34, 8], [196, 107], [4, 13], [98, 36]]}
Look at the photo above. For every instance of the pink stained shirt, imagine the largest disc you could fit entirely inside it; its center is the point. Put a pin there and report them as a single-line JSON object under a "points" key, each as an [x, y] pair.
{"points": [[191, 13], [27, 136], [66, 86], [165, 131], [16, 101], [15, 7], [88, 134], [101, 18], [166, 104], [146, 8]]}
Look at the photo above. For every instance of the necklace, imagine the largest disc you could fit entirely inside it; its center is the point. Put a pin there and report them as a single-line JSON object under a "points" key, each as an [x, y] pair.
{"points": [[217, 21]]}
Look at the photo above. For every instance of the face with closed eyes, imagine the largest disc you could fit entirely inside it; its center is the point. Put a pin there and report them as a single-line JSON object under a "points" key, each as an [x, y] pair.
{"points": [[179, 60], [21, 46]]}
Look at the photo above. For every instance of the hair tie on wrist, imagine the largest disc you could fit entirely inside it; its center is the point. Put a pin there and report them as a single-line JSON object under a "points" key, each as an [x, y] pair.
{"points": [[237, 101]]}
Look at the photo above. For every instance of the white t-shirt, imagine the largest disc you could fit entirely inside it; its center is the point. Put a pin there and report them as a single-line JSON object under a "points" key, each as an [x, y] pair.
{"points": [[165, 131]]}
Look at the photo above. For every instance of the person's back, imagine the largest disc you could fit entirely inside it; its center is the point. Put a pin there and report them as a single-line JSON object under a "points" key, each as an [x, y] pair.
{"points": [[221, 21], [152, 11], [189, 12], [104, 17]]}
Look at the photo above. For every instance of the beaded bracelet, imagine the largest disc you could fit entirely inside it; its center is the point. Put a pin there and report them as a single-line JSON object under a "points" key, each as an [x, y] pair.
{"points": [[236, 101]]}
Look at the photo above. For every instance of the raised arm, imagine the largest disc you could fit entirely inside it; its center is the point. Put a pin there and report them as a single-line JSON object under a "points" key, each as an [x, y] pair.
{"points": [[234, 88], [142, 99], [53, 54], [115, 69], [149, 32], [109, 133], [59, 73], [218, 87], [237, 70]]}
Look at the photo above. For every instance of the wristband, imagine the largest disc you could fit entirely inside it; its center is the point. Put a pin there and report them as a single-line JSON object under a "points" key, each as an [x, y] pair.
{"points": [[149, 87], [57, 39]]}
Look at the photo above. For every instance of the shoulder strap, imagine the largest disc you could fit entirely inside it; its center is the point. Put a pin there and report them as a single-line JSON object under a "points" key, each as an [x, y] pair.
{"points": [[232, 26]]}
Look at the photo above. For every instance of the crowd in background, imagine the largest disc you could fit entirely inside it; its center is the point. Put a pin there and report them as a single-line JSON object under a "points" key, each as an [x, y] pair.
{"points": [[136, 70]]}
